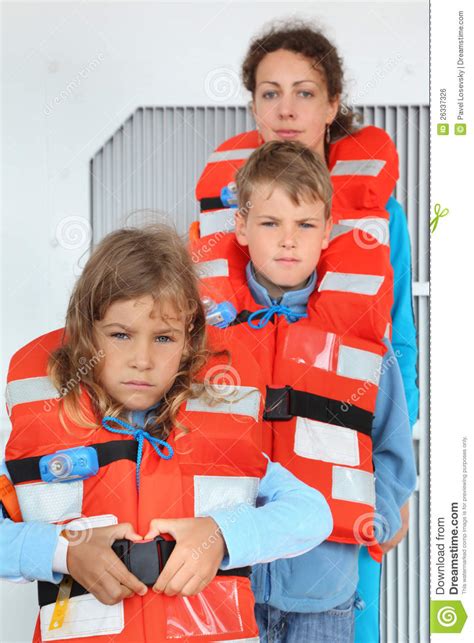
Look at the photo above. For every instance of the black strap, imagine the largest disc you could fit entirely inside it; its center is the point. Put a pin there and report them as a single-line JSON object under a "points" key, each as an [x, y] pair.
{"points": [[211, 203], [286, 403], [144, 560], [27, 469]]}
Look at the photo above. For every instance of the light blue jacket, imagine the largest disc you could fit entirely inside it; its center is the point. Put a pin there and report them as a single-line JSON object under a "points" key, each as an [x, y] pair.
{"points": [[284, 505]]}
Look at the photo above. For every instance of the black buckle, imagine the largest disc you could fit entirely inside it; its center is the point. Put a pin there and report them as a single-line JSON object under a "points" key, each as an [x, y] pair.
{"points": [[144, 560], [277, 404]]}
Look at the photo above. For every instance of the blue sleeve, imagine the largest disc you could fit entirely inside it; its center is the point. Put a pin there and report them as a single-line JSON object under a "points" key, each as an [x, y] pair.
{"points": [[290, 519], [27, 548], [394, 461], [404, 331]]}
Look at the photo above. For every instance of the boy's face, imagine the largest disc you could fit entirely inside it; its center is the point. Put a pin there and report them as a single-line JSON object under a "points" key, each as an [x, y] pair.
{"points": [[143, 345], [285, 240]]}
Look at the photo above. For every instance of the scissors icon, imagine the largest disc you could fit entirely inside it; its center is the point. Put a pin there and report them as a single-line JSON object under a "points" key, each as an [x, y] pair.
{"points": [[438, 215]]}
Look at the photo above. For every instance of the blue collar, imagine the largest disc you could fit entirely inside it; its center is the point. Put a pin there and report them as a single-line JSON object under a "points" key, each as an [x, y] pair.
{"points": [[139, 418], [295, 300]]}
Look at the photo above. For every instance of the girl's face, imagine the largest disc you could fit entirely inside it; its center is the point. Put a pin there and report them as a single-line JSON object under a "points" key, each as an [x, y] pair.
{"points": [[143, 344], [291, 101]]}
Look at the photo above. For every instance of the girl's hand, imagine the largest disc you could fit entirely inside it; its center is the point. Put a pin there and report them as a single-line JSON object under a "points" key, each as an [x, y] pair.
{"points": [[92, 563], [199, 550]]}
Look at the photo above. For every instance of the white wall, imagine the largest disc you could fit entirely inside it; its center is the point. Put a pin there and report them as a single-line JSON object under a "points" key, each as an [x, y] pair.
{"points": [[73, 71]]}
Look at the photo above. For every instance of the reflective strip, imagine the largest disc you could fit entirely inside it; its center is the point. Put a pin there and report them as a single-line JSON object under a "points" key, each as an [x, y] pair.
{"points": [[214, 268], [50, 502], [351, 282], [222, 492], [31, 389], [337, 230], [364, 167], [353, 485], [238, 400], [388, 330], [217, 221], [86, 616], [359, 364], [375, 226], [326, 442], [231, 155]]}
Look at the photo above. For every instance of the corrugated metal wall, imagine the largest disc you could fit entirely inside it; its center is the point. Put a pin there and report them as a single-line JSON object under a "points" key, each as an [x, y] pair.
{"points": [[153, 162]]}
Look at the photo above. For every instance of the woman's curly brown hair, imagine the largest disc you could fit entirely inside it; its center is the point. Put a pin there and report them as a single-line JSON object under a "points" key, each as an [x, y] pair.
{"points": [[302, 38]]}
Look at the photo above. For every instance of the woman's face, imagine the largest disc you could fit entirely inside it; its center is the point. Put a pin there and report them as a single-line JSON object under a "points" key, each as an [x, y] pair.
{"points": [[291, 101]]}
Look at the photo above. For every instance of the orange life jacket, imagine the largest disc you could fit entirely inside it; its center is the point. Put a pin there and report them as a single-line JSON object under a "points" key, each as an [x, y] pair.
{"points": [[329, 362], [211, 467]]}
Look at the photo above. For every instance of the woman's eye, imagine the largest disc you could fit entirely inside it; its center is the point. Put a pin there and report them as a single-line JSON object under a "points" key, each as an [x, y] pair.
{"points": [[269, 94], [306, 94], [119, 335]]}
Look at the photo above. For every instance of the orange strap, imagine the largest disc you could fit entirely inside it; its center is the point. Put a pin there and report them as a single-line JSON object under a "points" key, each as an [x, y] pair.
{"points": [[9, 499], [194, 234]]}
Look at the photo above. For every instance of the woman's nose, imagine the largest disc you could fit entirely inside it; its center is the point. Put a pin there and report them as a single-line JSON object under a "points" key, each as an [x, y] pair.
{"points": [[286, 108]]}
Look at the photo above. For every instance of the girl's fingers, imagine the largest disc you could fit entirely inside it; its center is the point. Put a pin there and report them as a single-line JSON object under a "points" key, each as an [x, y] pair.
{"points": [[195, 585], [173, 576], [126, 578]]}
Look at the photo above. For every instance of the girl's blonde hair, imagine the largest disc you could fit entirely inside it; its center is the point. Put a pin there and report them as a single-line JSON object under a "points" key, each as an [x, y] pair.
{"points": [[128, 264]]}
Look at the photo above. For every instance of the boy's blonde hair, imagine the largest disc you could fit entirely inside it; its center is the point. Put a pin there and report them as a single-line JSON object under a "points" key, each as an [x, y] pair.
{"points": [[289, 165], [128, 264]]}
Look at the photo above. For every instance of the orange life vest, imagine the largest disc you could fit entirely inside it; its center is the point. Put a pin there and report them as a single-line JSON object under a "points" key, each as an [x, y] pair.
{"points": [[211, 467], [329, 362]]}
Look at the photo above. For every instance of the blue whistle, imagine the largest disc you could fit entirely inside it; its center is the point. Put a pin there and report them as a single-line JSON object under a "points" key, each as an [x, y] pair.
{"points": [[229, 195], [77, 463]]}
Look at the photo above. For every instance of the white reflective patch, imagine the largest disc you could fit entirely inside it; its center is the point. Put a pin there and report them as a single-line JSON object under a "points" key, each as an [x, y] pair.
{"points": [[364, 167], [214, 268], [239, 400], [85, 616], [388, 330], [351, 282], [222, 492], [50, 502], [91, 522], [326, 442], [353, 485], [358, 364], [337, 230], [377, 227], [231, 155], [217, 221], [30, 389]]}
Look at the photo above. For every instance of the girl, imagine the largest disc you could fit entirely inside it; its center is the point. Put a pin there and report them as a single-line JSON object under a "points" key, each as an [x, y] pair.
{"points": [[154, 433], [295, 77]]}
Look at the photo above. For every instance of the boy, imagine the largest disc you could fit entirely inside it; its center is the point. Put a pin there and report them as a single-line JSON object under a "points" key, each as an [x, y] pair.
{"points": [[300, 337]]}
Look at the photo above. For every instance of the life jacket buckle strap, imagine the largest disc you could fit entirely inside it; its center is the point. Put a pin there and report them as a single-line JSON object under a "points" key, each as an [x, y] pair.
{"points": [[277, 404]]}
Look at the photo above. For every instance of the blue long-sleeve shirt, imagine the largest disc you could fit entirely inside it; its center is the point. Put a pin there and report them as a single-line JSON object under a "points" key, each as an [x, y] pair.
{"points": [[403, 323], [252, 534], [327, 575]]}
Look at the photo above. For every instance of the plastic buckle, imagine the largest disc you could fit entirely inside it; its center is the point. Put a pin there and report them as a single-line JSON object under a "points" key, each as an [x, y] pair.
{"points": [[277, 404], [145, 560]]}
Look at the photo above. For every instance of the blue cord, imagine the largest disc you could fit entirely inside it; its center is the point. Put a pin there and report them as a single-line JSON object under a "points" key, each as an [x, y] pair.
{"points": [[139, 436], [268, 313]]}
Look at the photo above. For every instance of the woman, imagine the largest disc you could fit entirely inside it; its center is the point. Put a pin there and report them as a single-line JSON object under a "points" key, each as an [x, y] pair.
{"points": [[295, 77]]}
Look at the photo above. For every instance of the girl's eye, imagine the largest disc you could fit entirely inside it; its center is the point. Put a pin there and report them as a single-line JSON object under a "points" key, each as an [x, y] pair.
{"points": [[308, 225], [164, 339], [269, 224], [119, 335]]}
